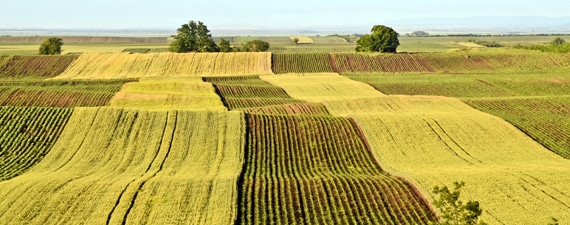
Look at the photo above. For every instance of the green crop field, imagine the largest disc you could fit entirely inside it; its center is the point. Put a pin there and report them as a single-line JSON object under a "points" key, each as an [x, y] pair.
{"points": [[117, 131], [57, 93], [249, 93], [544, 119], [26, 67], [468, 85], [301, 63], [318, 170], [26, 136]]}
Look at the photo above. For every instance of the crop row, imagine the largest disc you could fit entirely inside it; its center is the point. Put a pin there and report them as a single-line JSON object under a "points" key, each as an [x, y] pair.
{"points": [[425, 62], [290, 109], [249, 92], [433, 140], [435, 85], [58, 93], [457, 62], [301, 63], [34, 66], [121, 65], [379, 63], [544, 119], [26, 136], [467, 86], [17, 97], [318, 170], [117, 166]]}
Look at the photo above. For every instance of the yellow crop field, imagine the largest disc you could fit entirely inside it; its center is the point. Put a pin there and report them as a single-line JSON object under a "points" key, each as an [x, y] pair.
{"points": [[436, 141], [319, 87], [169, 94], [113, 166], [123, 65]]}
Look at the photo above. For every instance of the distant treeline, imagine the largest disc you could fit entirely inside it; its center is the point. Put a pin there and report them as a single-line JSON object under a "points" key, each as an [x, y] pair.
{"points": [[560, 48], [85, 39]]}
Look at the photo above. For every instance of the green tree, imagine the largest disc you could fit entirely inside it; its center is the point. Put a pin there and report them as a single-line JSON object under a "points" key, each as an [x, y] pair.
{"points": [[225, 46], [382, 39], [255, 46], [558, 41], [193, 37], [51, 46], [453, 210], [295, 41], [420, 33]]}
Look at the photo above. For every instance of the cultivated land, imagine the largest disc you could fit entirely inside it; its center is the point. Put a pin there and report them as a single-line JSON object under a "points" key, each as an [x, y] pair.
{"points": [[169, 94], [433, 140], [124, 65], [319, 136], [126, 166]]}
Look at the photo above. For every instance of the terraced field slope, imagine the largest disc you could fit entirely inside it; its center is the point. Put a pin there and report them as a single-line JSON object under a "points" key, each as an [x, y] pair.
{"points": [[295, 148], [468, 85], [545, 119], [26, 136], [55, 93], [319, 87], [343, 63], [437, 141], [123, 65], [169, 94], [465, 62], [318, 170], [301, 63], [537, 104], [249, 92], [26, 67], [121, 166]]}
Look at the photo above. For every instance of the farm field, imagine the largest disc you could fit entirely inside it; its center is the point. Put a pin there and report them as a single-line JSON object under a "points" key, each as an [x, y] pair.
{"points": [[30, 67], [310, 87], [278, 44], [301, 63], [66, 94], [112, 165], [288, 138], [468, 85], [544, 119], [472, 62], [124, 65], [169, 94], [536, 104], [26, 136], [438, 140], [249, 93], [318, 170]]}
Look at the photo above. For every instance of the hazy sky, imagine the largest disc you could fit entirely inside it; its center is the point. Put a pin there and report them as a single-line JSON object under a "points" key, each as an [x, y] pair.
{"points": [[222, 14]]}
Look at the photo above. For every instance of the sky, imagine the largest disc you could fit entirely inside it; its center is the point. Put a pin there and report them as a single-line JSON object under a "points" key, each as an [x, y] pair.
{"points": [[240, 14]]}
